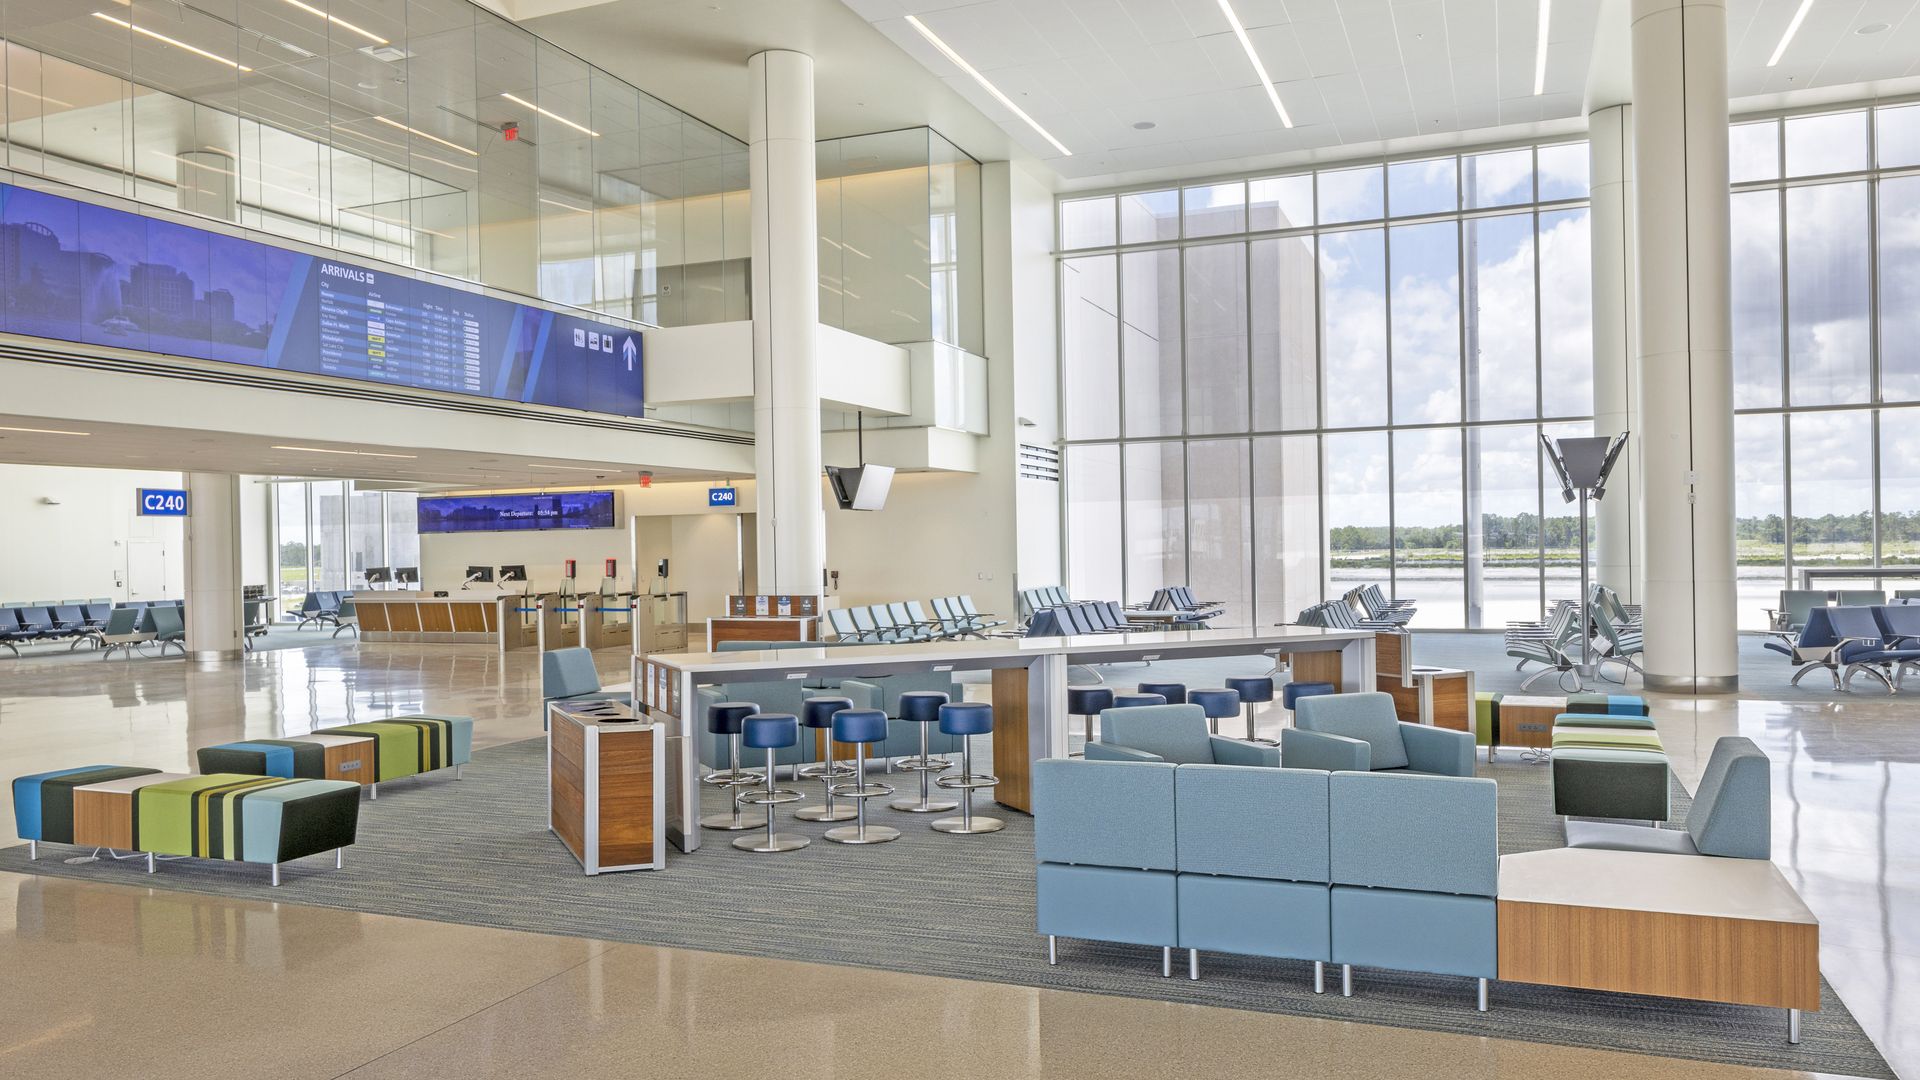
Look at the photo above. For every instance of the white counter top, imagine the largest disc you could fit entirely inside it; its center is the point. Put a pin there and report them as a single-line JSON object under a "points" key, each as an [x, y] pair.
{"points": [[1647, 881]]}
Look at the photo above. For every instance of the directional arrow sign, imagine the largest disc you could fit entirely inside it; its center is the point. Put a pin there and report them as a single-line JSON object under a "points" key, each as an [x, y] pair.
{"points": [[629, 350]]}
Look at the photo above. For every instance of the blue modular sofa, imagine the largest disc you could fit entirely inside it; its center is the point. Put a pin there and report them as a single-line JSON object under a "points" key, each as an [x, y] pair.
{"points": [[1361, 733], [1172, 733], [1371, 869]]}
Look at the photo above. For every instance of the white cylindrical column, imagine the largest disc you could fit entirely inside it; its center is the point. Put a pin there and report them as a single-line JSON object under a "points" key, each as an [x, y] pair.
{"points": [[1616, 377], [1685, 353], [792, 522], [207, 184], [213, 612]]}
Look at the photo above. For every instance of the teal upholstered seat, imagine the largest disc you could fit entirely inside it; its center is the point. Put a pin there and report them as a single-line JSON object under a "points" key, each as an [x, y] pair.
{"points": [[1171, 733], [569, 675], [1731, 816], [1362, 733]]}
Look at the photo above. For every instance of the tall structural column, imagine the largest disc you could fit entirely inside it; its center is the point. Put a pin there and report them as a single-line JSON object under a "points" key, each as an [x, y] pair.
{"points": [[213, 611], [792, 520], [1616, 376], [1685, 344]]}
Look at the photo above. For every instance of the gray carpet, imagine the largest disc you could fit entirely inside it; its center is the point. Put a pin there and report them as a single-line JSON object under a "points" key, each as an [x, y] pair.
{"points": [[477, 852]]}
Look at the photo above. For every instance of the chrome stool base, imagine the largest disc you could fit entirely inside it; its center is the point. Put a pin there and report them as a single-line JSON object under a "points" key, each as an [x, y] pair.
{"points": [[732, 778], [972, 824], [863, 834], [821, 813], [771, 842], [923, 806]]}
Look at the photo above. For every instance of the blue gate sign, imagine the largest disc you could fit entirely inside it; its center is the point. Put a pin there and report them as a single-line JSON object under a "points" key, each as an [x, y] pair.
{"points": [[162, 502], [723, 496]]}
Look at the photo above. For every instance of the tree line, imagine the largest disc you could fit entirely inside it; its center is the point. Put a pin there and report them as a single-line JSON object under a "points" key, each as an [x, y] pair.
{"points": [[1523, 532]]}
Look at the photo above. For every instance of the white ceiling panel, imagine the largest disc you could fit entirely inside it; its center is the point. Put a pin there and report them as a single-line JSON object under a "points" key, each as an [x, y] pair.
{"points": [[1351, 72]]}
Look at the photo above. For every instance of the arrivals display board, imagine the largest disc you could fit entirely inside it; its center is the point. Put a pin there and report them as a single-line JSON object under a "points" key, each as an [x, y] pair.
{"points": [[516, 513], [74, 271]]}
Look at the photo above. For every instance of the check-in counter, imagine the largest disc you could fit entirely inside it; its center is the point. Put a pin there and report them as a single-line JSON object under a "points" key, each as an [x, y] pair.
{"points": [[463, 618], [757, 628]]}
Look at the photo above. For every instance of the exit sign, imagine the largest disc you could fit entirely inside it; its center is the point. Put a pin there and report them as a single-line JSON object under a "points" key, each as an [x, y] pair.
{"points": [[723, 496]]}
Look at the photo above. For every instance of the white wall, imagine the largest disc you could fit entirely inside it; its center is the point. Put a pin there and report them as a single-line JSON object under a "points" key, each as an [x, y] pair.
{"points": [[256, 532], [78, 549], [1024, 344]]}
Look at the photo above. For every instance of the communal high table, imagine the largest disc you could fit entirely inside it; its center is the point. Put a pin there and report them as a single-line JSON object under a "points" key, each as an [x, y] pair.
{"points": [[1029, 688]]}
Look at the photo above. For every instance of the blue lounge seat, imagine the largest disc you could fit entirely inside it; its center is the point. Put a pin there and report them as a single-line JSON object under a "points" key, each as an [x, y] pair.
{"points": [[569, 675], [169, 628], [1415, 863], [1731, 816], [1103, 836], [1172, 733], [1361, 733], [1901, 625]]}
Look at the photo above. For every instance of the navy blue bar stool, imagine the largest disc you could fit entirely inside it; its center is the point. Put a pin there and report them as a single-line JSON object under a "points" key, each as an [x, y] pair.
{"points": [[862, 728], [1135, 701], [1085, 702], [967, 719], [1175, 693], [922, 707], [816, 714], [1253, 689], [726, 718], [1294, 691], [770, 732], [1217, 704]]}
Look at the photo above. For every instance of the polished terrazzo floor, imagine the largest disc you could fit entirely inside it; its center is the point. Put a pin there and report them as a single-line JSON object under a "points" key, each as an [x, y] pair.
{"points": [[263, 988]]}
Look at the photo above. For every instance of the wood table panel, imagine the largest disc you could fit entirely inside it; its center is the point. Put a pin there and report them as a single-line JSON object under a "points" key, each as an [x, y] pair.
{"points": [[403, 618], [568, 787], [1010, 757], [1317, 667], [351, 761], [1705, 958], [373, 615]]}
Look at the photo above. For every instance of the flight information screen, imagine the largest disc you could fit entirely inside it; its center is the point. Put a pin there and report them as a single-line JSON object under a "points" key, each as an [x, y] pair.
{"points": [[77, 272], [516, 513]]}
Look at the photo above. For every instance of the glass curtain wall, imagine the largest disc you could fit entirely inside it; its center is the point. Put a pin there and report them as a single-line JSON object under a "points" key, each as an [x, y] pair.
{"points": [[327, 534], [899, 219], [1826, 330], [1278, 388], [428, 133]]}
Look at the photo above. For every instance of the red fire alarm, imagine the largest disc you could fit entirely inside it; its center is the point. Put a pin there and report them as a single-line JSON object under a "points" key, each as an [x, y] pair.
{"points": [[510, 132]]}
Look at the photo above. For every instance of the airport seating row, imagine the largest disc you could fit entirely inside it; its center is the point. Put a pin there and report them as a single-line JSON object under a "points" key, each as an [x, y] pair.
{"points": [[1880, 641], [907, 621]]}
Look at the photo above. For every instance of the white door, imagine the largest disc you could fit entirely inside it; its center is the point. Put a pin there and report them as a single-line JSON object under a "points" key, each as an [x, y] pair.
{"points": [[147, 571]]}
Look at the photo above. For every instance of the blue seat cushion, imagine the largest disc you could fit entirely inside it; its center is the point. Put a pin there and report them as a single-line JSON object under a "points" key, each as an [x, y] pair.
{"points": [[1294, 691], [1088, 700], [1102, 903], [1415, 931], [1251, 688], [1175, 693], [966, 718], [1255, 917], [771, 731], [859, 726], [1216, 703]]}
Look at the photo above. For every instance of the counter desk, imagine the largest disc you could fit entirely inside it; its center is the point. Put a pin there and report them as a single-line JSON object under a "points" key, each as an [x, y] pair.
{"points": [[1029, 688], [461, 618]]}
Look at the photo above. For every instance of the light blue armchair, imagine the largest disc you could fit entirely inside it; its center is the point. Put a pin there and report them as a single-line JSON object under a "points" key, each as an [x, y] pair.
{"points": [[1732, 816], [1103, 834], [569, 675], [1361, 733], [1251, 845], [1172, 733], [1415, 864]]}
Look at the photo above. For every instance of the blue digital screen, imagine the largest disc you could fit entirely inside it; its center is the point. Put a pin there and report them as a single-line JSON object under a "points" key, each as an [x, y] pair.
{"points": [[78, 272], [162, 502], [723, 496], [516, 513]]}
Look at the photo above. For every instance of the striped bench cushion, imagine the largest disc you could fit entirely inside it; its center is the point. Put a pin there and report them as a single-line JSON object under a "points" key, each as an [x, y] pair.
{"points": [[1486, 718], [410, 745], [1608, 704], [257, 819], [1603, 721], [1606, 739], [43, 803], [287, 758]]}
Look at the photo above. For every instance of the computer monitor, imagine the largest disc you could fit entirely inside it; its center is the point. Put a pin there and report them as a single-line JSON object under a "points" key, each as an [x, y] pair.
{"points": [[379, 575], [512, 572], [862, 487], [407, 575], [479, 573]]}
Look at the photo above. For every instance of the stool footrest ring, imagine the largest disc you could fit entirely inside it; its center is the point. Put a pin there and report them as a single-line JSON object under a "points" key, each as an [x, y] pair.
{"points": [[860, 791], [968, 782], [763, 797]]}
